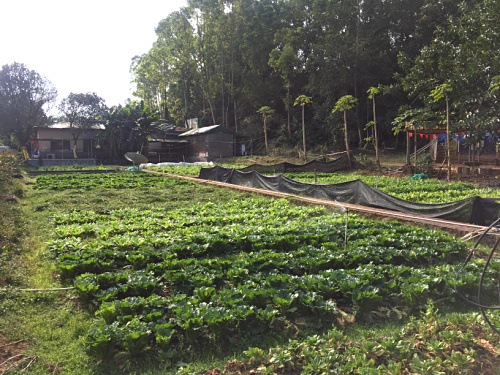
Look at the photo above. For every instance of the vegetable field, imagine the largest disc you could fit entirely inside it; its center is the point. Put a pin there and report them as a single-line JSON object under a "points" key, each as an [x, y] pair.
{"points": [[166, 280], [124, 180], [219, 277]]}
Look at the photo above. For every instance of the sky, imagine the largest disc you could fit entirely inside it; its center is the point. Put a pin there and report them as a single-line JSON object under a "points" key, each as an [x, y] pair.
{"points": [[82, 46]]}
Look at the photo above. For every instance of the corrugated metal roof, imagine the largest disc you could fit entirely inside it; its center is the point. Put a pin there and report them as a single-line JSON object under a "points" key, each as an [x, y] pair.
{"points": [[65, 125], [207, 130], [168, 140]]}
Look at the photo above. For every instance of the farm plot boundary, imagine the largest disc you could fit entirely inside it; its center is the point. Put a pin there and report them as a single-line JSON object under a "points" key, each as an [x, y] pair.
{"points": [[454, 227]]}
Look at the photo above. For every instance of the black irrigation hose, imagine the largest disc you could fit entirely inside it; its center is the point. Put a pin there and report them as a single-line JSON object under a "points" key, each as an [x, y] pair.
{"points": [[467, 260]]}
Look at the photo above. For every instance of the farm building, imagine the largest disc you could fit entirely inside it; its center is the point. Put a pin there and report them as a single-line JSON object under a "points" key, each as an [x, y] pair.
{"points": [[61, 145], [168, 147], [213, 142]]}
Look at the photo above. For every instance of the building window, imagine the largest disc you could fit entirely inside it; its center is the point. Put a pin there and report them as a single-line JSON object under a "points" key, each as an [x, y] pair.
{"points": [[60, 144]]}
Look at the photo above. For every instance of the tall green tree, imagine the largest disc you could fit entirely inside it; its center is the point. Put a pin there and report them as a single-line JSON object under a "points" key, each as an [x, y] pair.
{"points": [[346, 103], [83, 112], [128, 127], [286, 62], [25, 98], [459, 65], [166, 76], [221, 59]]}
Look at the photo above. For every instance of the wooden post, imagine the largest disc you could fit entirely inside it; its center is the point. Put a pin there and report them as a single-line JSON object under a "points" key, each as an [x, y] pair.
{"points": [[415, 147], [304, 135], [346, 221], [448, 138]]}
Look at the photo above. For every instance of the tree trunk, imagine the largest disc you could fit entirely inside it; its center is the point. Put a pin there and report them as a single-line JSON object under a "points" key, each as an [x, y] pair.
{"points": [[448, 140], [222, 87], [356, 59], [376, 136], [407, 148], [304, 134], [211, 111], [265, 137], [415, 148], [185, 99], [235, 116], [288, 111], [347, 141]]}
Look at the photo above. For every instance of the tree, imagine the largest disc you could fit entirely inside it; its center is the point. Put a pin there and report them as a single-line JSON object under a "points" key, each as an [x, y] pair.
{"points": [[25, 97], [285, 61], [127, 128], [437, 94], [302, 100], [459, 65], [372, 91], [266, 112], [221, 59], [166, 76], [346, 103], [83, 112]]}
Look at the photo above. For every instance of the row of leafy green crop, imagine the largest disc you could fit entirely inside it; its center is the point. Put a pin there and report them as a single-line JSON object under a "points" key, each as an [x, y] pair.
{"points": [[166, 280], [125, 180], [77, 167], [184, 170]]}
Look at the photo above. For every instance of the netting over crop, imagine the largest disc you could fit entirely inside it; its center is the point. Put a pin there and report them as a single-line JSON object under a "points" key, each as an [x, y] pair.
{"points": [[312, 166], [474, 210]]}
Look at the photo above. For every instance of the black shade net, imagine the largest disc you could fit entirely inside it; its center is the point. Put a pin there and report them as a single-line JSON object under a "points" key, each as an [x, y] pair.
{"points": [[474, 210], [312, 166]]}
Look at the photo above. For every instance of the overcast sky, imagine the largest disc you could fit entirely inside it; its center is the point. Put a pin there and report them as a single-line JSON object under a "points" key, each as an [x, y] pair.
{"points": [[82, 46]]}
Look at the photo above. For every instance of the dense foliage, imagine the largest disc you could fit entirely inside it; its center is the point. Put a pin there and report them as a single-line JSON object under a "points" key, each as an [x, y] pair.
{"points": [[8, 167], [24, 99], [222, 61], [165, 280], [452, 77], [428, 346]]}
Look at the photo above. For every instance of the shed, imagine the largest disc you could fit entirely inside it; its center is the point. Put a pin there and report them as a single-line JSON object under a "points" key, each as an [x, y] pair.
{"points": [[213, 142]]}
